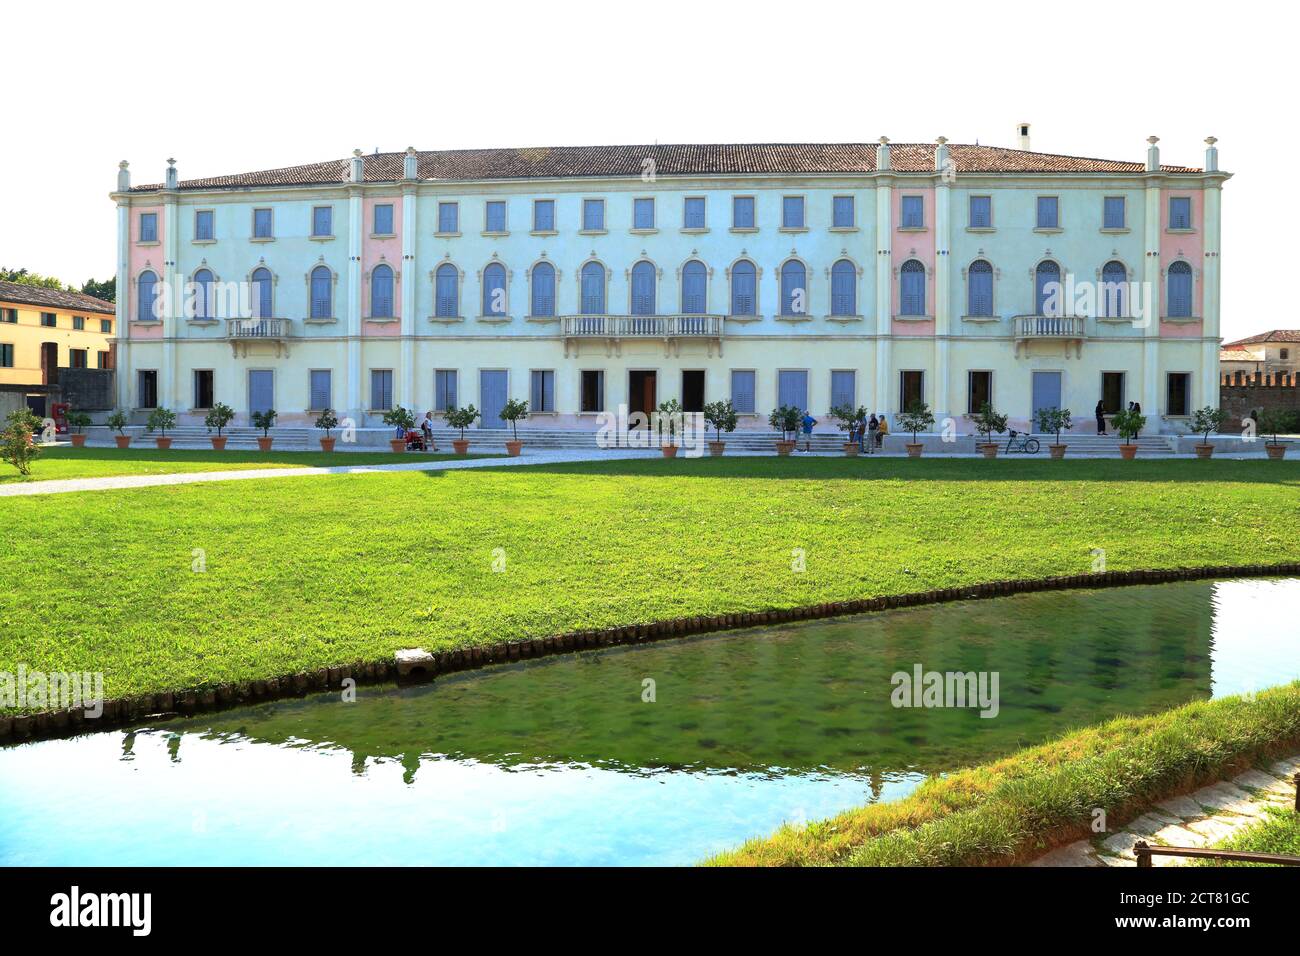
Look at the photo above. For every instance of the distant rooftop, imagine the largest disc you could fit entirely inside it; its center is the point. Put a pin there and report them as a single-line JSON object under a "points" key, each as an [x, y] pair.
{"points": [[53, 298], [1277, 335]]}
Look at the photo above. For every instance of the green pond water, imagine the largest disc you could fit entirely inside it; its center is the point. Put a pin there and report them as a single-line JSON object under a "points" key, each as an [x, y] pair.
{"points": [[566, 760]]}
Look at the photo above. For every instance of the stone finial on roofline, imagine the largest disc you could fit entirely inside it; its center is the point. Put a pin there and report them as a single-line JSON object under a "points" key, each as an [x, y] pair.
{"points": [[882, 153], [172, 176], [410, 164], [1211, 154], [358, 166], [123, 176], [1153, 154]]}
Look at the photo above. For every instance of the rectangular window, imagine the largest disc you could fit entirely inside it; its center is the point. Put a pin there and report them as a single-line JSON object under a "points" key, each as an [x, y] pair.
{"points": [[79, 323], [912, 213], [384, 219], [792, 388], [1048, 213], [106, 326], [320, 383], [543, 215], [693, 215], [203, 231], [1112, 216], [842, 212], [494, 216], [1180, 212], [981, 212], [643, 213], [593, 391], [262, 224], [444, 389], [78, 358], [742, 212], [448, 217], [146, 388], [50, 320], [593, 215], [148, 227], [1112, 392], [979, 390], [742, 391], [1179, 393], [911, 389], [843, 387], [792, 212], [543, 391], [202, 388], [9, 315], [6, 355], [322, 221], [381, 389], [102, 360]]}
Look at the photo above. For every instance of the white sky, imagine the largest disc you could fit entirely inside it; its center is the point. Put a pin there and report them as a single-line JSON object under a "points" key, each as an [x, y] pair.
{"points": [[244, 86]]}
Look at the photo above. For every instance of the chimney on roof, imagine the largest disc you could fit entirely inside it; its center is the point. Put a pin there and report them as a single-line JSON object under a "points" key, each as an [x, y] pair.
{"points": [[358, 166], [171, 174], [1153, 154], [1211, 155], [1022, 135], [410, 164], [123, 176], [882, 153]]}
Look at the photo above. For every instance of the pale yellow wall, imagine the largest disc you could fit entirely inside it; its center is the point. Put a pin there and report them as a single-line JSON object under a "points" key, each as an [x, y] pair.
{"points": [[28, 334]]}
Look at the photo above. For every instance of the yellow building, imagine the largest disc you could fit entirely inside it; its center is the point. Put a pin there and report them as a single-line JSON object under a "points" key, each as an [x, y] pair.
{"points": [[43, 330]]}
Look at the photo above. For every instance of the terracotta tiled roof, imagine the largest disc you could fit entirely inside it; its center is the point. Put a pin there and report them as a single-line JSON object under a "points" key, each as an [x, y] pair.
{"points": [[1277, 335], [723, 159], [22, 294]]}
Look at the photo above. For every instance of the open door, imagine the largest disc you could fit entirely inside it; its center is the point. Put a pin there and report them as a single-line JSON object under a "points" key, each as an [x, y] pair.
{"points": [[642, 392]]}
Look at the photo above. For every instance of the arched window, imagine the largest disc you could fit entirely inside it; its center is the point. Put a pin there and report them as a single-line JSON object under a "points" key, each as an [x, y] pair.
{"points": [[844, 288], [744, 288], [263, 300], [979, 288], [593, 289], [148, 297], [381, 292], [1180, 291], [322, 293], [543, 290], [643, 288], [794, 288], [1047, 289], [446, 291], [911, 288], [203, 304], [494, 289], [1114, 285], [695, 288]]}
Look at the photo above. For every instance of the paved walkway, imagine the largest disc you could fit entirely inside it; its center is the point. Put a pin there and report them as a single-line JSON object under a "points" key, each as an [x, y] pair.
{"points": [[1204, 818]]}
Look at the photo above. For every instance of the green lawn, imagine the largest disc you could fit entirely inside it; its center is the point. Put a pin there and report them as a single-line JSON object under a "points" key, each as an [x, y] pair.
{"points": [[55, 463], [307, 572], [1279, 833]]}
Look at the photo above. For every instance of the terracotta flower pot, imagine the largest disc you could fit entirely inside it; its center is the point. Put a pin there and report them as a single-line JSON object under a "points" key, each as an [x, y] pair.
{"points": [[1203, 451], [264, 442], [851, 449], [1058, 451], [218, 442], [123, 441], [670, 451], [716, 448], [1276, 452], [327, 444], [989, 449], [398, 445], [1127, 451], [461, 445], [163, 443], [784, 447], [513, 448], [78, 441], [914, 449]]}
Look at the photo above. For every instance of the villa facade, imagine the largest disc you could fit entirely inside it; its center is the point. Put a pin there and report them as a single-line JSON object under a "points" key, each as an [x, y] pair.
{"points": [[581, 279]]}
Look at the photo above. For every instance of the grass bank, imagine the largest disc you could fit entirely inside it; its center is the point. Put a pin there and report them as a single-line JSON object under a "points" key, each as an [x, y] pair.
{"points": [[1014, 809], [1278, 833]]}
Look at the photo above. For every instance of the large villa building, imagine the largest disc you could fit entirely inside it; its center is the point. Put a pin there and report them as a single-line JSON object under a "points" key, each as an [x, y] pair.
{"points": [[585, 278]]}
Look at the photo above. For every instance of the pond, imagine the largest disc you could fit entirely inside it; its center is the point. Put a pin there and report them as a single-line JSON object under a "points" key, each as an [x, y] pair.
{"points": [[659, 754]]}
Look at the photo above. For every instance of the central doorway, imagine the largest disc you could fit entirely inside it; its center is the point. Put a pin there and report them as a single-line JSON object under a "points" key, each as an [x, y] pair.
{"points": [[1046, 394], [693, 390], [641, 392]]}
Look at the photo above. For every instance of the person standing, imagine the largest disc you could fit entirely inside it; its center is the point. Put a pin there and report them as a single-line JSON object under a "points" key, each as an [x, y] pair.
{"points": [[872, 425], [881, 432], [1101, 418], [808, 423]]}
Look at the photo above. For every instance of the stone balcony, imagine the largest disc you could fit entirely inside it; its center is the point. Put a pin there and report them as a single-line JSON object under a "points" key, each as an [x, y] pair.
{"points": [[245, 334], [613, 330], [1069, 329]]}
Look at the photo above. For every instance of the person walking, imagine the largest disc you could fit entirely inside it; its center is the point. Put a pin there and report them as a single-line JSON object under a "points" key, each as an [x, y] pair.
{"points": [[881, 432], [1101, 418], [872, 425], [808, 423]]}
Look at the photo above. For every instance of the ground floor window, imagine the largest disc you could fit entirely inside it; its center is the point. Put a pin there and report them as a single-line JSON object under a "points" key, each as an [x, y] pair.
{"points": [[542, 391], [78, 358], [444, 389], [911, 389], [593, 391], [102, 360], [381, 389], [261, 390], [742, 391], [146, 388], [792, 388], [844, 388], [1179, 394], [202, 388], [979, 390], [6, 355], [1112, 392], [320, 382], [693, 390]]}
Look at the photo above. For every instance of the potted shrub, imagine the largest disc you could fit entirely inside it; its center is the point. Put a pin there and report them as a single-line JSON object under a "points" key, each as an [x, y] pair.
{"points": [[219, 416], [402, 420], [1055, 420], [847, 418], [1206, 420], [16, 445], [325, 421], [987, 421], [264, 420], [78, 421], [117, 422], [161, 419], [1271, 422], [785, 420], [721, 417], [1129, 423], [916, 419], [461, 418], [512, 412], [669, 414]]}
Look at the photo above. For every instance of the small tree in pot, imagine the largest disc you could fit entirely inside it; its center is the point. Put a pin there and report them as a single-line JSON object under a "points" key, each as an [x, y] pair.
{"points": [[116, 422], [669, 419], [1055, 420], [265, 421], [512, 412], [1129, 423], [326, 421], [402, 420], [785, 420], [987, 421], [721, 417], [79, 421], [16, 446], [847, 419], [916, 419], [219, 416], [1273, 421], [1206, 420], [461, 418], [161, 419]]}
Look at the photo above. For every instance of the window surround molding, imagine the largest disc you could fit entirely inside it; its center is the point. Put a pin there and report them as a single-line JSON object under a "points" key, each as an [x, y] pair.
{"points": [[695, 230], [783, 227], [334, 298], [858, 273], [194, 226], [1048, 230], [488, 318], [532, 220], [992, 226], [753, 198], [627, 277], [496, 233], [135, 285], [252, 224], [758, 290], [577, 275], [1179, 257], [681, 285], [544, 319], [852, 197], [437, 219], [928, 272], [980, 256], [923, 227], [375, 206], [645, 230], [312, 235], [191, 286], [807, 314], [460, 293], [604, 217]]}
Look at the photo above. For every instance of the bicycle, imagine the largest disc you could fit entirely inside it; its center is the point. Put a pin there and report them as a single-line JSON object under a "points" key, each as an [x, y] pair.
{"points": [[1022, 442]]}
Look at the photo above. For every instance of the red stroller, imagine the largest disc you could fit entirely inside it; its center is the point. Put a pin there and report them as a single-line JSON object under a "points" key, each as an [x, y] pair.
{"points": [[415, 440]]}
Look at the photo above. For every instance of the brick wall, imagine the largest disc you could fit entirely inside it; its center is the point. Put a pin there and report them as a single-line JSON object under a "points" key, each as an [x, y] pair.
{"points": [[88, 389], [1240, 393]]}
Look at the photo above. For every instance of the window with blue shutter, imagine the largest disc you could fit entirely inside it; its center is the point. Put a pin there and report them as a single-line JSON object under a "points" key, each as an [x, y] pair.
{"points": [[742, 212], [543, 391], [593, 215], [593, 289], [693, 216], [148, 227], [263, 294], [1114, 286], [981, 212], [203, 231], [792, 388], [643, 289], [448, 217], [1047, 289], [695, 281], [1113, 212], [912, 213], [744, 288], [203, 298], [6, 356], [979, 288], [911, 288], [1180, 291], [1180, 212], [842, 213], [844, 286], [543, 290], [381, 292], [322, 294], [446, 291], [794, 288], [322, 221], [384, 219], [494, 289], [1048, 213], [742, 391], [444, 389], [643, 213], [495, 216], [319, 380], [792, 212], [543, 215], [261, 224], [381, 389], [843, 387]]}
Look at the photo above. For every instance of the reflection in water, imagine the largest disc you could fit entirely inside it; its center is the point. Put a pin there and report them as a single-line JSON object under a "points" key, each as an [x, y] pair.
{"points": [[561, 761]]}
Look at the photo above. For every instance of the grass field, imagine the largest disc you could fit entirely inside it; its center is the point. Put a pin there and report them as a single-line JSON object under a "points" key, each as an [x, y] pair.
{"points": [[1278, 833], [172, 587]]}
